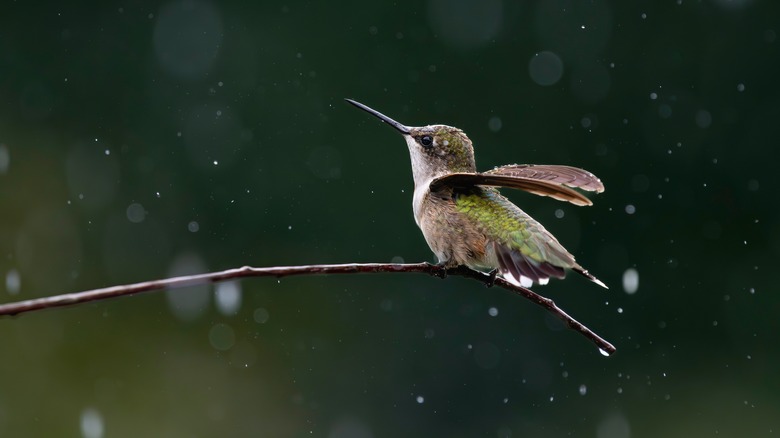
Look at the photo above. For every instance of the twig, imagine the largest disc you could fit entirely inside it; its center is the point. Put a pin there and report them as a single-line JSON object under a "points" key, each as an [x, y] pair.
{"points": [[20, 307]]}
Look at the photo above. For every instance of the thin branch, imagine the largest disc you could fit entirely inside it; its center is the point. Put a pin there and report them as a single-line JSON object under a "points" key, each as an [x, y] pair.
{"points": [[20, 307]]}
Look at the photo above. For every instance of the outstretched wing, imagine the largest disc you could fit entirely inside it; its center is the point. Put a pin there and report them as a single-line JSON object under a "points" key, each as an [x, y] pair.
{"points": [[536, 186], [565, 175]]}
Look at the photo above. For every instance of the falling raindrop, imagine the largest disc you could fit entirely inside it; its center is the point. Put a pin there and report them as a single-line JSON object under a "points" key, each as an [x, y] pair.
{"points": [[5, 158], [193, 227], [494, 124], [91, 423], [13, 282], [630, 281], [228, 297]]}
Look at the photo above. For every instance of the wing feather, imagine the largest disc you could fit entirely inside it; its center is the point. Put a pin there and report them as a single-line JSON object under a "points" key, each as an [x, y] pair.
{"points": [[565, 175], [535, 186]]}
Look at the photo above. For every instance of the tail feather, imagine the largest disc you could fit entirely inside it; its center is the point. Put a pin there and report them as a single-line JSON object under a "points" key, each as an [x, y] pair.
{"points": [[578, 269], [523, 271]]}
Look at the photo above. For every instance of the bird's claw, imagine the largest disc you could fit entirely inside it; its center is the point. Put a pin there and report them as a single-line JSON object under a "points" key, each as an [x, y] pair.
{"points": [[439, 269], [491, 278]]}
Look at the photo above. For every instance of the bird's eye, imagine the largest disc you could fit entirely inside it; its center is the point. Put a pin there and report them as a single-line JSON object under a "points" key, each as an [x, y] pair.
{"points": [[426, 140]]}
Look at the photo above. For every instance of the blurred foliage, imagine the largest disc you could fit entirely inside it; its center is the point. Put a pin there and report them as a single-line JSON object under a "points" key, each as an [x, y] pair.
{"points": [[139, 141]]}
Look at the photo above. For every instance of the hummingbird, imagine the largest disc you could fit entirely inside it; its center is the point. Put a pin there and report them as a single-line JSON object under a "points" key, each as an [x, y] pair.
{"points": [[466, 221]]}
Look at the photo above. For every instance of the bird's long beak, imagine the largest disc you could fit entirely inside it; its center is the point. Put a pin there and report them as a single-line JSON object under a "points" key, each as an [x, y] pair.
{"points": [[401, 128]]}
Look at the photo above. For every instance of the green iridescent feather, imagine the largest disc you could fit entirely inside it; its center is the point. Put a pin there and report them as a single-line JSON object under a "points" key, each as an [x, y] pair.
{"points": [[504, 223]]}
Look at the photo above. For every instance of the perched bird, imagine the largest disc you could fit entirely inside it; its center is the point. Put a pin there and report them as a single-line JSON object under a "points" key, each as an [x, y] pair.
{"points": [[466, 221]]}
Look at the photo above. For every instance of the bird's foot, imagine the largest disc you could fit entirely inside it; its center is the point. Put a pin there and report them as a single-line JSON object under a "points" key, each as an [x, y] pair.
{"points": [[440, 269], [491, 278]]}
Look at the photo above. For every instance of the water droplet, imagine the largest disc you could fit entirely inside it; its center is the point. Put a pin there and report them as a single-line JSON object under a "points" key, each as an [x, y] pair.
{"points": [[228, 297], [193, 227], [494, 124], [630, 209], [630, 281], [13, 282], [420, 399], [740, 87], [586, 122], [493, 311], [603, 352], [91, 423], [583, 389]]}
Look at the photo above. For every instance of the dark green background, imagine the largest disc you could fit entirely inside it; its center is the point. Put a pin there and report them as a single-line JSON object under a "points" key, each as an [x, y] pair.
{"points": [[112, 116]]}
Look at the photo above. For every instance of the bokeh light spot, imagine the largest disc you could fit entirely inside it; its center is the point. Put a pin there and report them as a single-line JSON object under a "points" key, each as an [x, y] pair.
{"points": [[545, 68], [91, 423], [261, 315], [136, 213], [466, 24], [630, 281], [191, 302], [5, 158], [13, 282], [187, 38], [222, 337], [228, 297]]}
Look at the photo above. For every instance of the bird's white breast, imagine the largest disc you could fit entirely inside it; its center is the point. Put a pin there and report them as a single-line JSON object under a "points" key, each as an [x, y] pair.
{"points": [[420, 192]]}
